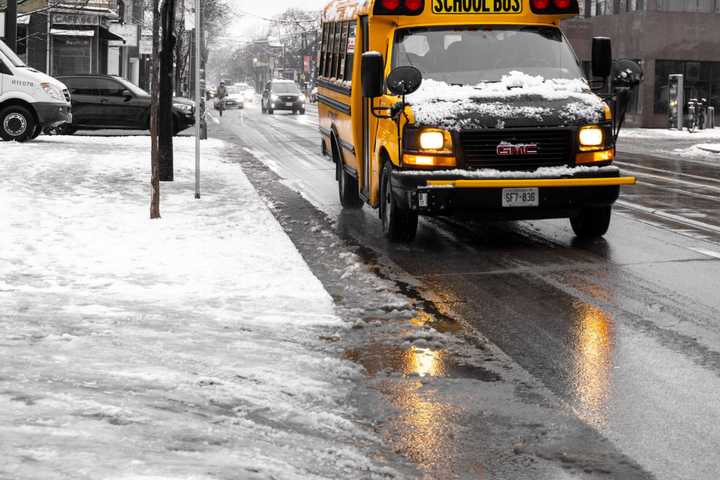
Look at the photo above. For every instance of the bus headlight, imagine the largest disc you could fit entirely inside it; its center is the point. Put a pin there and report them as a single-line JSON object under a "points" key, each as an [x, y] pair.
{"points": [[591, 138], [432, 140]]}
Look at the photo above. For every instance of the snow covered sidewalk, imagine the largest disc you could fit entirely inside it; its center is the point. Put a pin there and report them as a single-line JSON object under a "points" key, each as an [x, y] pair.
{"points": [[701, 145], [184, 348]]}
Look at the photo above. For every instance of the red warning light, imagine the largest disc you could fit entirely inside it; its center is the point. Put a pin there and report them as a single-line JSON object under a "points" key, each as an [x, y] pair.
{"points": [[390, 4], [414, 5], [541, 4], [562, 4]]}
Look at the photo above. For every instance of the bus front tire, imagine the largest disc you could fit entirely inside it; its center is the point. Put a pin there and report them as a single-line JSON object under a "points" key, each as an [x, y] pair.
{"points": [[592, 222], [399, 224], [347, 187]]}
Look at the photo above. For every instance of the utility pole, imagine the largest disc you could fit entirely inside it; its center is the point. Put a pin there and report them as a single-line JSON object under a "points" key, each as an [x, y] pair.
{"points": [[198, 96], [11, 25]]}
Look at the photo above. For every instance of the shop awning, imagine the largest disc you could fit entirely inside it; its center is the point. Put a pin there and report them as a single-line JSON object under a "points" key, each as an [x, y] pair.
{"points": [[72, 33], [108, 35]]}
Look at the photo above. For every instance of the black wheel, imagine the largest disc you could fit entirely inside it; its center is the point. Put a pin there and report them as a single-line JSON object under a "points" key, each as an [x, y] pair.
{"points": [[302, 111], [592, 222], [270, 111], [16, 123], [66, 130], [36, 133], [347, 185], [399, 224]]}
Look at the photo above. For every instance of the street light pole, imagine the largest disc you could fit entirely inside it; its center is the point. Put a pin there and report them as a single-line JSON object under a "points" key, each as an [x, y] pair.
{"points": [[198, 99]]}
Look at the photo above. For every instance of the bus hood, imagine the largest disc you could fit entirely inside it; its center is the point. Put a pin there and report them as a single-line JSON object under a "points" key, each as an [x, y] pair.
{"points": [[518, 100]]}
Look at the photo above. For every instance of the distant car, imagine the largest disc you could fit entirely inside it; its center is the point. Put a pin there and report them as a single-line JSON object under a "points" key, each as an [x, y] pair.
{"points": [[235, 98], [282, 95], [108, 102]]}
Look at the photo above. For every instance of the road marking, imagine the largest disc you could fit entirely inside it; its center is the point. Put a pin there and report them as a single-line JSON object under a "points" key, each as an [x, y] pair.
{"points": [[709, 253], [698, 177], [672, 180], [669, 216]]}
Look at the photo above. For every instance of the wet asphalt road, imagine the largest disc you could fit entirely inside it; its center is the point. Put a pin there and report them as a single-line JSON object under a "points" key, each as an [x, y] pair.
{"points": [[625, 331]]}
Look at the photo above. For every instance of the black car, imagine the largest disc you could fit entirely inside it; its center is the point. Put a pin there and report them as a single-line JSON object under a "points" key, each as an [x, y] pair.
{"points": [[282, 95], [108, 102]]}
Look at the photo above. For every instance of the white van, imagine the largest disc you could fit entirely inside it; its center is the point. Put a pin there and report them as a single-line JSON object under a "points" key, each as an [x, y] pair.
{"points": [[30, 101]]}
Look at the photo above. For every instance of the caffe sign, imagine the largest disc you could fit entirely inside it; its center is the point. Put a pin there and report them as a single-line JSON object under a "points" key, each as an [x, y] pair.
{"points": [[70, 19]]}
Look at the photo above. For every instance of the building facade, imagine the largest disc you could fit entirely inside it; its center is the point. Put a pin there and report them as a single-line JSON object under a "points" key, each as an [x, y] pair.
{"points": [[666, 37], [64, 37]]}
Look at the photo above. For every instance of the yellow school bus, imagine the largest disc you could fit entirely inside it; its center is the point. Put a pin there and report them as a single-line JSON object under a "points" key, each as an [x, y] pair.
{"points": [[469, 108]]}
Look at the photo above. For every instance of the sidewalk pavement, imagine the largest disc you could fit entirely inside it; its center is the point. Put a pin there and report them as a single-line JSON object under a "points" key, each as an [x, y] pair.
{"points": [[182, 348], [673, 144]]}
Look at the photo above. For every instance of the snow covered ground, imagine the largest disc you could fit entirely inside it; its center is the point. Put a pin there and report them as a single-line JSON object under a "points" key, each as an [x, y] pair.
{"points": [[701, 145], [182, 348]]}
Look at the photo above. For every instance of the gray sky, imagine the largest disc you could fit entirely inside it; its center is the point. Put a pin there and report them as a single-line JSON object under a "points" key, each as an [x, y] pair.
{"points": [[251, 24]]}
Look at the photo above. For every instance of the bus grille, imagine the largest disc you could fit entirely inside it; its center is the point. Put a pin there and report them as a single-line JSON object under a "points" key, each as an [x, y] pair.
{"points": [[480, 148]]}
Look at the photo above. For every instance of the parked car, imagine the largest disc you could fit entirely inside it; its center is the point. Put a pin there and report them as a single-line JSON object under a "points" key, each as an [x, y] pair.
{"points": [[282, 95], [108, 102], [30, 101]]}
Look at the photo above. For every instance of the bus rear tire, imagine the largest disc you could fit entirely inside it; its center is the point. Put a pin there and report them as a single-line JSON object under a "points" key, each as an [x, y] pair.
{"points": [[592, 222], [399, 224]]}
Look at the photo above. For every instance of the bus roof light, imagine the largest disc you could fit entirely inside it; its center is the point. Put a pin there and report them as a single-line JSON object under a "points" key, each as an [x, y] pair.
{"points": [[390, 5], [562, 4], [414, 5], [540, 4]]}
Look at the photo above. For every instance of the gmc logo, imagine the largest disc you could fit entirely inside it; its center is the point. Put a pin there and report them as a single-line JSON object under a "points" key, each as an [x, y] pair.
{"points": [[510, 150]]}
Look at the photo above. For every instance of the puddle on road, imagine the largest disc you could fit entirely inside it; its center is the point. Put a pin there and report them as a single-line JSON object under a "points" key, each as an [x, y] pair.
{"points": [[379, 356]]}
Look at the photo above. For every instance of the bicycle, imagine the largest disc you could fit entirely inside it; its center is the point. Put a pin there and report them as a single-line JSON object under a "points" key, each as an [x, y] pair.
{"points": [[692, 120]]}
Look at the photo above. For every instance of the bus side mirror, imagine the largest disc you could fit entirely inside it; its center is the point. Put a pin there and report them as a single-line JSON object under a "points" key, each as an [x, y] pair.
{"points": [[601, 57], [404, 80], [372, 75]]}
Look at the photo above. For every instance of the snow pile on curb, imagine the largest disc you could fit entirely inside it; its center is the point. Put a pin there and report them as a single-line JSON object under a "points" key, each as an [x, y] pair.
{"points": [[181, 348], [440, 104], [709, 147]]}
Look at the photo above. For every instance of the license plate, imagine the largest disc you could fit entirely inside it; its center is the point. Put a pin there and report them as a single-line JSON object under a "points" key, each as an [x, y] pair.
{"points": [[520, 197], [288, 104], [468, 7]]}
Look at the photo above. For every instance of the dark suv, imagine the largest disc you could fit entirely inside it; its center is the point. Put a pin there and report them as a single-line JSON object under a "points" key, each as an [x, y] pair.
{"points": [[105, 101], [282, 95]]}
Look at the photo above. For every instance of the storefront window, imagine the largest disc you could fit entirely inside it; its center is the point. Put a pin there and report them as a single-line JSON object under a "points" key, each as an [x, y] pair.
{"points": [[686, 5], [701, 80]]}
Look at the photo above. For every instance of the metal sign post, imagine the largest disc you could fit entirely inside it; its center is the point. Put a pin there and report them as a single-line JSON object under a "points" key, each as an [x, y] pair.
{"points": [[198, 99]]}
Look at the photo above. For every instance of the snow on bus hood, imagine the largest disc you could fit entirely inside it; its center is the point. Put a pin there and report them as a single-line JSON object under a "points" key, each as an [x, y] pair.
{"points": [[518, 100]]}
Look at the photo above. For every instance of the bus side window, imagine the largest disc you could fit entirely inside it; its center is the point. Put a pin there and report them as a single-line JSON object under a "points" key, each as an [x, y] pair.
{"points": [[342, 53], [350, 51], [323, 50], [331, 44]]}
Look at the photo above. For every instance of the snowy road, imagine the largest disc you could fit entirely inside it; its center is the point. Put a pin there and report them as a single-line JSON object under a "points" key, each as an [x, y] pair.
{"points": [[624, 333]]}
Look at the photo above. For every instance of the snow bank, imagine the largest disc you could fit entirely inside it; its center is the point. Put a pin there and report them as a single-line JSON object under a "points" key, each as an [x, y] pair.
{"points": [[176, 349], [454, 106]]}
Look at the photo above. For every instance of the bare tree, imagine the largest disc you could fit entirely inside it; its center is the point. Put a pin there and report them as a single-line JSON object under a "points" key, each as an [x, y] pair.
{"points": [[167, 122], [155, 114]]}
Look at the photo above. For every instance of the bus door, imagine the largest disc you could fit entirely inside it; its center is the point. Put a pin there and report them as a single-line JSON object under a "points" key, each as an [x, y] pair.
{"points": [[366, 161]]}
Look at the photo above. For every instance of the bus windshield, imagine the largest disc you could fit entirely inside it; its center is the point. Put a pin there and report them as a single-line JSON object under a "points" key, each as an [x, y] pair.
{"points": [[472, 55]]}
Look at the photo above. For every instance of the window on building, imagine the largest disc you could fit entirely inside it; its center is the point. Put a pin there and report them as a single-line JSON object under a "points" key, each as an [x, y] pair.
{"points": [[323, 50], [686, 5], [701, 80]]}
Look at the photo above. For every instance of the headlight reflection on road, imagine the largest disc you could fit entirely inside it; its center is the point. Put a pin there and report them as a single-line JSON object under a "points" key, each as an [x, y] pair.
{"points": [[424, 362], [593, 362]]}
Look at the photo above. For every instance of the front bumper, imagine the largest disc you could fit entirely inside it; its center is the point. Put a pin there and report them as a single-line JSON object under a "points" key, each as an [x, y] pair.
{"points": [[454, 193], [287, 105], [53, 114]]}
